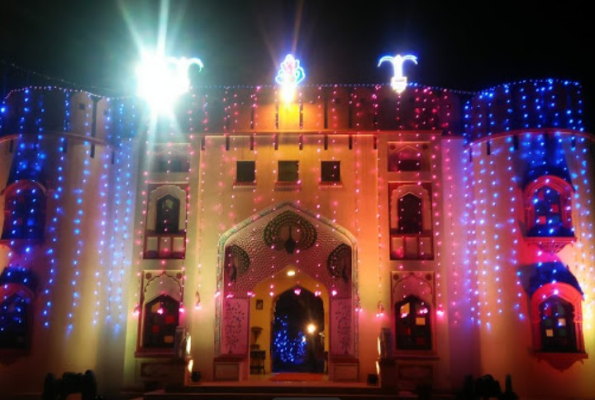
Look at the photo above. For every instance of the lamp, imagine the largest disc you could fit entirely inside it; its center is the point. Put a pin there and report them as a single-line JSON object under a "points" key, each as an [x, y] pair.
{"points": [[380, 309]]}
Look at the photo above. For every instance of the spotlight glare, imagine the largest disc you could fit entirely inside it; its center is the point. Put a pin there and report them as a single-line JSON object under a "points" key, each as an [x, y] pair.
{"points": [[161, 80]]}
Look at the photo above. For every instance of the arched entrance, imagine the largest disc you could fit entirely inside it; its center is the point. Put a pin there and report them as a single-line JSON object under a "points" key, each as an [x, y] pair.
{"points": [[297, 332], [254, 256]]}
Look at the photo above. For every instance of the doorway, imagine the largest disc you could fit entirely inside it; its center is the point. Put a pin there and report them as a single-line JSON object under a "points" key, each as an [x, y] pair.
{"points": [[297, 334]]}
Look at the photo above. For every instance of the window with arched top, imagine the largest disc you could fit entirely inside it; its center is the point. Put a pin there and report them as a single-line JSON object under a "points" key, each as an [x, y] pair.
{"points": [[557, 325], [161, 318], [410, 221], [24, 211], [165, 231], [548, 210], [408, 157], [549, 215], [168, 215], [410, 214], [413, 324], [556, 318]]}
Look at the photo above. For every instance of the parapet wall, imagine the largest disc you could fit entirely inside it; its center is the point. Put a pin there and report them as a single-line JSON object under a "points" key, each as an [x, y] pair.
{"points": [[531, 104]]}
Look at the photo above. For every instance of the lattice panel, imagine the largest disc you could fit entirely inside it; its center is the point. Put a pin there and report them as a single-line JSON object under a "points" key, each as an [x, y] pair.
{"points": [[266, 261]]}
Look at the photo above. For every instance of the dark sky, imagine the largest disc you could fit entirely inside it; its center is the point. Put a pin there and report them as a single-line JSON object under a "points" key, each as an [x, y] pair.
{"points": [[467, 46]]}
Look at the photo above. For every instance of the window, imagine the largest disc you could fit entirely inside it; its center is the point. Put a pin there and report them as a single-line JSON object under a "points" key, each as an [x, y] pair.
{"points": [[413, 325], [330, 171], [408, 157], [24, 211], [556, 316], [549, 213], [168, 215], [170, 163], [548, 207], [14, 323], [557, 325], [410, 221], [410, 216], [165, 231], [245, 172], [288, 171], [171, 157], [160, 322]]}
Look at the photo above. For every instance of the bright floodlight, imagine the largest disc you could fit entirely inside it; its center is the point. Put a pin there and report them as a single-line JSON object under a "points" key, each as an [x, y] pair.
{"points": [[161, 80]]}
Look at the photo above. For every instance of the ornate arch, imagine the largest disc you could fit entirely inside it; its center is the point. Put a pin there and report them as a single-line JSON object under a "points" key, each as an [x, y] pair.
{"points": [[167, 285], [549, 237], [417, 285], [156, 195], [233, 300], [570, 294], [157, 283], [419, 192]]}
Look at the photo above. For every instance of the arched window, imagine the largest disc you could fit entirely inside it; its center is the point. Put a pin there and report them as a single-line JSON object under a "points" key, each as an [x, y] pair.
{"points": [[408, 157], [548, 214], [14, 322], [413, 324], [556, 318], [557, 325], [548, 208], [165, 232], [160, 322], [168, 215], [410, 218], [410, 214], [24, 211]]}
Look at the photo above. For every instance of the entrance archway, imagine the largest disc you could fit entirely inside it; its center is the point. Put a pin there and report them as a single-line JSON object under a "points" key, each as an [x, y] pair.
{"points": [[297, 332], [259, 250]]}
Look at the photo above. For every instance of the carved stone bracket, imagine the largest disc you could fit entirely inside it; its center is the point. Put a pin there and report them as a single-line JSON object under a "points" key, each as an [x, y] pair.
{"points": [[550, 245], [561, 361]]}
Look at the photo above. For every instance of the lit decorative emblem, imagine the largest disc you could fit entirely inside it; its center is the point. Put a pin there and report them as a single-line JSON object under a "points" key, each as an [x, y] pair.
{"points": [[290, 74], [398, 81], [161, 80]]}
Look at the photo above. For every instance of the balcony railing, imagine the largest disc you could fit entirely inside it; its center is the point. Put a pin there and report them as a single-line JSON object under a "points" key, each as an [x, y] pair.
{"points": [[411, 247], [165, 245]]}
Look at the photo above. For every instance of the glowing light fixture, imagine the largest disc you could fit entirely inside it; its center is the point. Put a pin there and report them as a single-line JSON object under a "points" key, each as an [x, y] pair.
{"points": [[291, 272], [311, 328], [189, 345], [162, 79], [398, 81], [290, 75], [380, 310]]}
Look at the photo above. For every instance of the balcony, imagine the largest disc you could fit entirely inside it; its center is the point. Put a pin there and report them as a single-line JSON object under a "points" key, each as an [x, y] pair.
{"points": [[411, 247], [165, 245]]}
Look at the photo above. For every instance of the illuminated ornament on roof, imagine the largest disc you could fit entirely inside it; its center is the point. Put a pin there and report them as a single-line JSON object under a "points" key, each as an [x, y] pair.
{"points": [[290, 75], [162, 79], [398, 81]]}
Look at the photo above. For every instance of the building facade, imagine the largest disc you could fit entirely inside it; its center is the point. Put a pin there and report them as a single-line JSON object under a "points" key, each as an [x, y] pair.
{"points": [[423, 237]]}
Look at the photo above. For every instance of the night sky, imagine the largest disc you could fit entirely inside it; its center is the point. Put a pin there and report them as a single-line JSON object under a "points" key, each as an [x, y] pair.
{"points": [[94, 44]]}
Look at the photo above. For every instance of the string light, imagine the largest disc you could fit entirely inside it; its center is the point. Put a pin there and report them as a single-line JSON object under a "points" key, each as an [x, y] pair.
{"points": [[480, 270]]}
